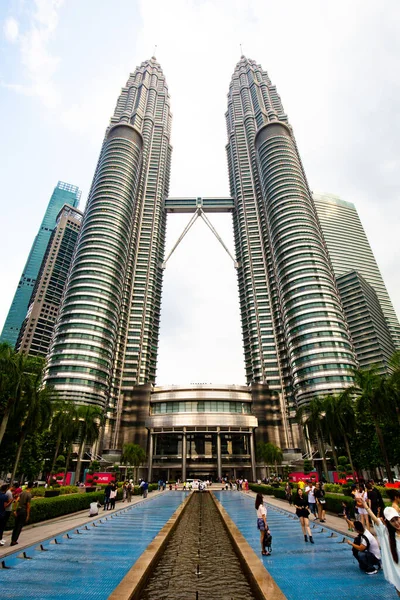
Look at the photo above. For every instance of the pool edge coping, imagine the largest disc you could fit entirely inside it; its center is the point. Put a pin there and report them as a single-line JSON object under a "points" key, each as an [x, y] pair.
{"points": [[130, 587], [263, 582]]}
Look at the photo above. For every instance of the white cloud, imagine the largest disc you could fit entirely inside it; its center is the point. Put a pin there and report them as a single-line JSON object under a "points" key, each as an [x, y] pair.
{"points": [[36, 57], [11, 29]]}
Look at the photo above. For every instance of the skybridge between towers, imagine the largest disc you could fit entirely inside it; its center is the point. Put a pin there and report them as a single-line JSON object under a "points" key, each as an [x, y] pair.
{"points": [[199, 207]]}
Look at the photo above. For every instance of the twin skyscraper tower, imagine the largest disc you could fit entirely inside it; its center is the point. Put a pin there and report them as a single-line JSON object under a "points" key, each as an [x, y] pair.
{"points": [[296, 340]]}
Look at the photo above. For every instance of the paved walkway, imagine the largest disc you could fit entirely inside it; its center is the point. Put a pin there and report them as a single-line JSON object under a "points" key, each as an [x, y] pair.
{"points": [[36, 533], [87, 562], [325, 570]]}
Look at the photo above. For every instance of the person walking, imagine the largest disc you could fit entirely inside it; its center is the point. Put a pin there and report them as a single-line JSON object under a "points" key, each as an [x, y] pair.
{"points": [[310, 489], [124, 491], [301, 505], [22, 512], [262, 525], [388, 534], [365, 550], [319, 494]]}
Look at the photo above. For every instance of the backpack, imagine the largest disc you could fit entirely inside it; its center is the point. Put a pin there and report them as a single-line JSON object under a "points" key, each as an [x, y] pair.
{"points": [[267, 541]]}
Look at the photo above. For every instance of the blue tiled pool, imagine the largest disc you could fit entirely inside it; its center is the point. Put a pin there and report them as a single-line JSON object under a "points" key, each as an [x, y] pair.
{"points": [[323, 571], [91, 564]]}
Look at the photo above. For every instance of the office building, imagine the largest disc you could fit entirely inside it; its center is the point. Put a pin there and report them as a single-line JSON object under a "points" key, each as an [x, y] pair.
{"points": [[37, 328], [349, 250], [63, 193], [368, 327], [296, 341]]}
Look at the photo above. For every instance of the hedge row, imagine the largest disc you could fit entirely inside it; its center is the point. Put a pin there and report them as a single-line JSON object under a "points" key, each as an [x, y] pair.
{"points": [[63, 489], [333, 501], [43, 509]]}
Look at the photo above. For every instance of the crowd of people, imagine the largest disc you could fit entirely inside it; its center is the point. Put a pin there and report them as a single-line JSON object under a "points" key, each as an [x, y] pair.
{"points": [[17, 500], [377, 527]]}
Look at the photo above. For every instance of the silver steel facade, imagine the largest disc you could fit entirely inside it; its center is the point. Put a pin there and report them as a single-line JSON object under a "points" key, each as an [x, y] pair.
{"points": [[296, 341], [106, 337], [295, 335], [369, 331], [349, 250]]}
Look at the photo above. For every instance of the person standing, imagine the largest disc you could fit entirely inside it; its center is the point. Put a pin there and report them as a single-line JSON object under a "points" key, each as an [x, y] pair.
{"points": [[262, 525], [129, 490], [388, 535], [107, 491], [113, 496], [301, 505], [310, 489], [22, 513], [7, 508], [5, 502], [361, 497], [394, 496], [319, 494], [288, 493], [124, 492]]}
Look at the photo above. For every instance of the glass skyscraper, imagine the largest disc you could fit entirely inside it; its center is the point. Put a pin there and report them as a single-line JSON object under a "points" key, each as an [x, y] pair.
{"points": [[296, 340], [37, 328], [106, 337], [64, 193], [349, 250]]}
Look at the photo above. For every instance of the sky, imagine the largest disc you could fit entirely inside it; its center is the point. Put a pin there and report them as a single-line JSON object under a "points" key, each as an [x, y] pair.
{"points": [[336, 66]]}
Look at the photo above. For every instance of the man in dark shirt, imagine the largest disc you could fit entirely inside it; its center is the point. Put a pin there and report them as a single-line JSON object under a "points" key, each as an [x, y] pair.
{"points": [[22, 513], [379, 503], [107, 492]]}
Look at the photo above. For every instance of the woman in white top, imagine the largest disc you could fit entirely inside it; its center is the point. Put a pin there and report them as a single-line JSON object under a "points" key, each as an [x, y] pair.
{"points": [[261, 521], [361, 497], [389, 539]]}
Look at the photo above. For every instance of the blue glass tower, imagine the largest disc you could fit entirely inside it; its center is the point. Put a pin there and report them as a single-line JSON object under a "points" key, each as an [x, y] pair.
{"points": [[64, 193]]}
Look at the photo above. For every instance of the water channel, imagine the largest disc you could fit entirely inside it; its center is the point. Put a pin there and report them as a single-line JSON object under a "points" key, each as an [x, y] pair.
{"points": [[199, 562]]}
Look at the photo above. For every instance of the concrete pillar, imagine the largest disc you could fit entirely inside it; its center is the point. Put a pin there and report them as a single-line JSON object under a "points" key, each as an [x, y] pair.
{"points": [[219, 458], [253, 457], [150, 471], [184, 453]]}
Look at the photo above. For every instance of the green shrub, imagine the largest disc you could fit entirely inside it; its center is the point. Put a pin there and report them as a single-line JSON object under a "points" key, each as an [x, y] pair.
{"points": [[43, 509], [336, 488], [66, 489]]}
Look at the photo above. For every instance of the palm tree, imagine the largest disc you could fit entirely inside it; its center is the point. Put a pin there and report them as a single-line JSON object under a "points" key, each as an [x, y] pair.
{"points": [[331, 424], [16, 372], [63, 413], [372, 394], [90, 419], [71, 432], [311, 418], [134, 455], [393, 384], [269, 454], [346, 420], [34, 414]]}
